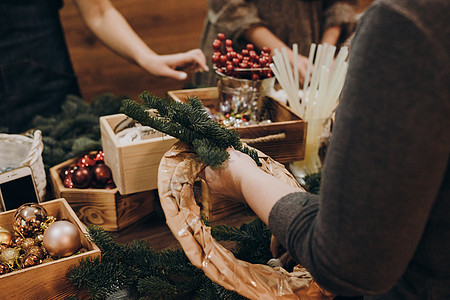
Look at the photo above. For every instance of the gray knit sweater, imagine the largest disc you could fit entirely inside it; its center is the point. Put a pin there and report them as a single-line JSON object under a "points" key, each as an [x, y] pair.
{"points": [[381, 225]]}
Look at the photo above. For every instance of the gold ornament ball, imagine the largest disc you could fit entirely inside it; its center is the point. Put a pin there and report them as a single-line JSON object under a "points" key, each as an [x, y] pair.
{"points": [[61, 239], [5, 236], [30, 211]]}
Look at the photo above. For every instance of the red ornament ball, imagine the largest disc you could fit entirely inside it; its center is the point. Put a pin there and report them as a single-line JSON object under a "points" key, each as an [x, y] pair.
{"points": [[102, 173], [82, 177]]}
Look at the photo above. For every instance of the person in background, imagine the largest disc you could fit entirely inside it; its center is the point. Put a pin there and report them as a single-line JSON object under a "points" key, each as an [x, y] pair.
{"points": [[36, 73], [380, 226], [276, 24]]}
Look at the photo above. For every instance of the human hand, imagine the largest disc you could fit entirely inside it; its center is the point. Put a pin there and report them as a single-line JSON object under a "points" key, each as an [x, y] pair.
{"points": [[177, 65], [302, 68], [224, 181]]}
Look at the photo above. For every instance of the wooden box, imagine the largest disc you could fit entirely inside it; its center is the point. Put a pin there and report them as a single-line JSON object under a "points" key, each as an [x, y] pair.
{"points": [[134, 166], [107, 208], [48, 280], [283, 139]]}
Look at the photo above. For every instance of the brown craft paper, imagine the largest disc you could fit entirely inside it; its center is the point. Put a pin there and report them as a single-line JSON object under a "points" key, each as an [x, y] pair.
{"points": [[177, 173]]}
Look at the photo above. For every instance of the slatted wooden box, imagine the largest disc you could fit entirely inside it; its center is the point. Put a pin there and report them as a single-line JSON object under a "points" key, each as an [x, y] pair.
{"points": [[287, 148], [107, 208], [134, 166], [283, 139], [48, 280]]}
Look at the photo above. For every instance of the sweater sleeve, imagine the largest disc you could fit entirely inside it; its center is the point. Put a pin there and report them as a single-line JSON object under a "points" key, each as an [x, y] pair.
{"points": [[233, 17], [339, 13], [384, 166]]}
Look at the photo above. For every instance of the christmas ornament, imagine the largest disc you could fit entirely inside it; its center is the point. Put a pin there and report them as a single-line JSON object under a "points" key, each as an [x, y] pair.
{"points": [[9, 255], [64, 172], [81, 177], [86, 161], [28, 243], [29, 260], [100, 156], [102, 173], [5, 236], [67, 182], [37, 251], [28, 218], [4, 268], [61, 239], [110, 185]]}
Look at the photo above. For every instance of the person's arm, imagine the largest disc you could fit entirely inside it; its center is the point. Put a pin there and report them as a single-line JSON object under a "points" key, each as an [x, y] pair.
{"points": [[240, 179], [261, 36], [383, 169], [384, 166], [113, 30]]}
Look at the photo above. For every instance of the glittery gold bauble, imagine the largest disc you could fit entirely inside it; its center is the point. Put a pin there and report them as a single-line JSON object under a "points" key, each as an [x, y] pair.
{"points": [[62, 238], [5, 236], [28, 243], [36, 250], [30, 260], [9, 255], [28, 218]]}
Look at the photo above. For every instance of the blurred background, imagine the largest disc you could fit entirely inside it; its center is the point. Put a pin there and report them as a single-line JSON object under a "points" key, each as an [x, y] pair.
{"points": [[168, 26]]}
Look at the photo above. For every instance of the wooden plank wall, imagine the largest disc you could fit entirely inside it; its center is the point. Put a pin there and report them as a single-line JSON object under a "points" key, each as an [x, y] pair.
{"points": [[168, 26]]}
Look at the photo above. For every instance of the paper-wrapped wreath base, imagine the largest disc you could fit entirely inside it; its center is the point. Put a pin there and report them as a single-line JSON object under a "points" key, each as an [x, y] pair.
{"points": [[177, 173]]}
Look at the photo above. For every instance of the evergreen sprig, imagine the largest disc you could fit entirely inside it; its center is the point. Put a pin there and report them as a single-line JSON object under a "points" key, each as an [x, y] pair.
{"points": [[143, 273], [188, 122]]}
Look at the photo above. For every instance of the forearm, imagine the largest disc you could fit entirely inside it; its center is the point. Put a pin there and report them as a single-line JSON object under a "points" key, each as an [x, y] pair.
{"points": [[113, 30], [331, 35], [261, 191]]}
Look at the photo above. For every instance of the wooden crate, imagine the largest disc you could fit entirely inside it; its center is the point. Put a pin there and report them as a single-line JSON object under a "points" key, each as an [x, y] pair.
{"points": [[135, 166], [283, 139], [48, 280], [107, 208]]}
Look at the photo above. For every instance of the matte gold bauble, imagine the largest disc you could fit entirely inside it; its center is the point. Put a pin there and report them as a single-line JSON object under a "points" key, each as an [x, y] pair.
{"points": [[62, 238], [5, 236]]}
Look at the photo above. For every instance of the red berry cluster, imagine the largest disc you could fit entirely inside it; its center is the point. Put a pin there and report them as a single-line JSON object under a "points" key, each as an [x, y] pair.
{"points": [[90, 171], [245, 65]]}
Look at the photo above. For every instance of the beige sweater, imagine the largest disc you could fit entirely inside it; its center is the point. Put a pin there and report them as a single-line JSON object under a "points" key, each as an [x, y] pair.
{"points": [[292, 21]]}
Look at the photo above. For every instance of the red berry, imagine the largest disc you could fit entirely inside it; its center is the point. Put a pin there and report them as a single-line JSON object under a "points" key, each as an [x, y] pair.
{"points": [[250, 47], [235, 61], [221, 36], [223, 59], [216, 44], [244, 52], [228, 42], [255, 76], [266, 50]]}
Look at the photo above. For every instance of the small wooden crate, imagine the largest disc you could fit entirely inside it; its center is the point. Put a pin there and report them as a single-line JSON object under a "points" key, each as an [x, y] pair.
{"points": [[135, 166], [107, 208], [283, 139], [47, 280]]}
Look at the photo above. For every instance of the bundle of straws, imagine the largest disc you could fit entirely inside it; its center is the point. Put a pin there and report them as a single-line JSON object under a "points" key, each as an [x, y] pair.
{"points": [[323, 81]]}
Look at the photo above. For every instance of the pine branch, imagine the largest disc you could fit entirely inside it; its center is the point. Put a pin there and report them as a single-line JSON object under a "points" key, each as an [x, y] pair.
{"points": [[190, 123]]}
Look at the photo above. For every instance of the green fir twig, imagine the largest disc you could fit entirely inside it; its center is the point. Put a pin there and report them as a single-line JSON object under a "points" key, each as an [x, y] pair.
{"points": [[188, 122]]}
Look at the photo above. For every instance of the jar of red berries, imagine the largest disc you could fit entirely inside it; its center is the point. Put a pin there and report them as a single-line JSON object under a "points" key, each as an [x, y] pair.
{"points": [[244, 77]]}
